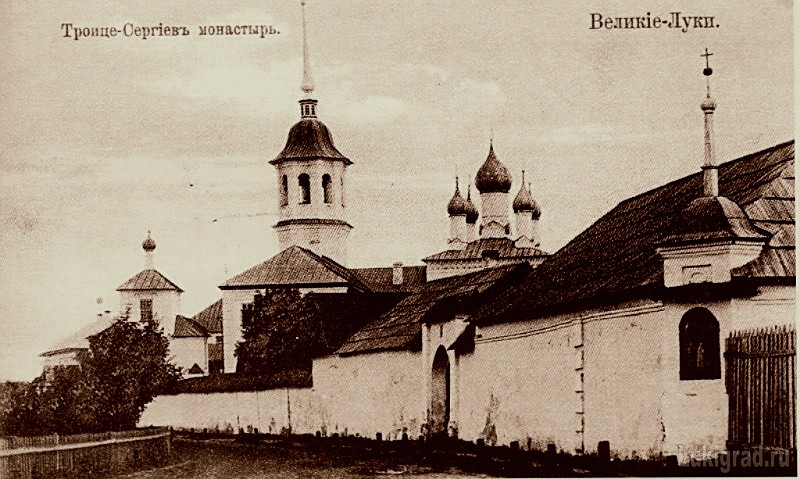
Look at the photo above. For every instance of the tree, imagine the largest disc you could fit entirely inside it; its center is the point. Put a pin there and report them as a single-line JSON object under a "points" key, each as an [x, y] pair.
{"points": [[124, 369], [279, 330], [283, 330]]}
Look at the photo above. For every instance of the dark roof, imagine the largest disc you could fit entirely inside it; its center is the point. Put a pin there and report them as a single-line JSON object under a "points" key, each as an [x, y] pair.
{"points": [[617, 254], [399, 328], [295, 267], [379, 280], [713, 217], [505, 249], [309, 139], [149, 280], [188, 328], [211, 317], [345, 314], [195, 369]]}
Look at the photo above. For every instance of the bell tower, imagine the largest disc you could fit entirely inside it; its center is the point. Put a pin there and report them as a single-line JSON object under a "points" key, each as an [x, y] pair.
{"points": [[311, 180]]}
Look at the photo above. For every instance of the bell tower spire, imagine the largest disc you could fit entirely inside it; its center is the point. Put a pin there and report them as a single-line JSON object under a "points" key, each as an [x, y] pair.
{"points": [[708, 105], [308, 106]]}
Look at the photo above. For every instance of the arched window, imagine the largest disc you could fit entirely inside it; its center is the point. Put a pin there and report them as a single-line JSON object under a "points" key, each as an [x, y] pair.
{"points": [[327, 190], [699, 343], [305, 189], [284, 190]]}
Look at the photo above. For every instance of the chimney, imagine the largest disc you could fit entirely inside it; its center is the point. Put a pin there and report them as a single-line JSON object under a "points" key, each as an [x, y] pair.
{"points": [[397, 273]]}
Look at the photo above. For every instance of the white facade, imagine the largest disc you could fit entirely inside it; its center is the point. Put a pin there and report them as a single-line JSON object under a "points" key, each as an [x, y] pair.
{"points": [[166, 305], [495, 208], [186, 352]]}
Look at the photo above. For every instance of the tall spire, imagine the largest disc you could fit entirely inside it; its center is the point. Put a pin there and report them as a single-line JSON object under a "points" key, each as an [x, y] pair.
{"points": [[308, 81], [708, 105], [308, 106]]}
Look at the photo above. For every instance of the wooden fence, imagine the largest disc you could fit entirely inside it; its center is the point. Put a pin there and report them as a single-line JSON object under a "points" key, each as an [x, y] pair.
{"points": [[760, 381], [84, 455]]}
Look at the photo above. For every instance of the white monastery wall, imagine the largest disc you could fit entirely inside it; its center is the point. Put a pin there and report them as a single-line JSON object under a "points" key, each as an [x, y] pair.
{"points": [[520, 383], [772, 306], [622, 379], [271, 411], [370, 393]]}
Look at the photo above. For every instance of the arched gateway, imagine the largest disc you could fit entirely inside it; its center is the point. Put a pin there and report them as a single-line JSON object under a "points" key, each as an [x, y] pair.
{"points": [[440, 393]]}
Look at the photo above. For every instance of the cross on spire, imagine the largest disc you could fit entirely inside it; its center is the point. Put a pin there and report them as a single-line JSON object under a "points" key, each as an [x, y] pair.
{"points": [[707, 71]]}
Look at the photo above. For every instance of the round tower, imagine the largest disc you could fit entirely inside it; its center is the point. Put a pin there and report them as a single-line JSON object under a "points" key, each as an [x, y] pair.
{"points": [[311, 180], [494, 182]]}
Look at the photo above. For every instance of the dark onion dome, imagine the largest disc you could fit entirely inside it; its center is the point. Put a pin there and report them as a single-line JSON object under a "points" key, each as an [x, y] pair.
{"points": [[523, 201], [149, 243], [493, 176], [457, 205], [471, 209], [713, 217], [308, 139], [536, 212]]}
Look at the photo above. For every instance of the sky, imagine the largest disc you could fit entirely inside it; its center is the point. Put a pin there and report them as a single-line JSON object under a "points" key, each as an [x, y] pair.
{"points": [[103, 139]]}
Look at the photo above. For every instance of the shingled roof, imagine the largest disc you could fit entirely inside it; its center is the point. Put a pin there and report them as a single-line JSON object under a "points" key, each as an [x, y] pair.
{"points": [[399, 328], [149, 280], [500, 248], [379, 280], [617, 254], [188, 328], [296, 267], [211, 317]]}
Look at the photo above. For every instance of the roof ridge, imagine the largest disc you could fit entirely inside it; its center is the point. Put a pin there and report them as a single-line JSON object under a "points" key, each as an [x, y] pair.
{"points": [[157, 272], [699, 173]]}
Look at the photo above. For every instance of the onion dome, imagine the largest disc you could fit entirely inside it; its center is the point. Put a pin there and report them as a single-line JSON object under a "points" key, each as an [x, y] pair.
{"points": [[472, 210], [493, 176], [457, 205], [149, 243], [714, 217], [523, 201], [309, 139]]}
